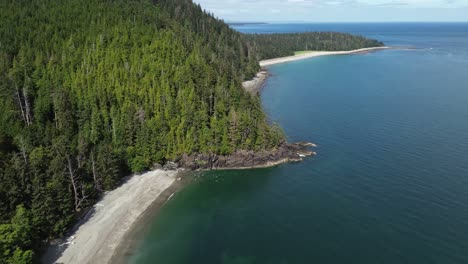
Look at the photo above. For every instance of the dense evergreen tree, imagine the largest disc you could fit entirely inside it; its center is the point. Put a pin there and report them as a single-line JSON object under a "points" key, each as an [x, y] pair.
{"points": [[93, 90], [268, 46]]}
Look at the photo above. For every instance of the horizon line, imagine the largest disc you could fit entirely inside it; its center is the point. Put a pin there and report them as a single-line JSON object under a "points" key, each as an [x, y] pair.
{"points": [[332, 22]]}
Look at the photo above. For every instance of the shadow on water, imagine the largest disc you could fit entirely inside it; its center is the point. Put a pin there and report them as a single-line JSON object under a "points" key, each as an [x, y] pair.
{"points": [[205, 215]]}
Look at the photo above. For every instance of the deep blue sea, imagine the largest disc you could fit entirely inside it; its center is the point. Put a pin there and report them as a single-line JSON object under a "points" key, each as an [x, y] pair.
{"points": [[389, 183]]}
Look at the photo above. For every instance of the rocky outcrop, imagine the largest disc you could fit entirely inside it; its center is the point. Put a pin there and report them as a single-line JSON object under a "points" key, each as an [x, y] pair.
{"points": [[284, 153], [255, 85]]}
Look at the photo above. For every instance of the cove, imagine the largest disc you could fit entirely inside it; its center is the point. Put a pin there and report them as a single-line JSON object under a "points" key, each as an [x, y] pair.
{"points": [[389, 183]]}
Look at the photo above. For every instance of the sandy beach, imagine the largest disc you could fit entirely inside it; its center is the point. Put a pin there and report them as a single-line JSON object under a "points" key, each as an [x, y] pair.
{"points": [[312, 54], [255, 85], [96, 238], [101, 232]]}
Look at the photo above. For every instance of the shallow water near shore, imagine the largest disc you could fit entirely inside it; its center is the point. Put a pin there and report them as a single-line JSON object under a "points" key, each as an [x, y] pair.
{"points": [[389, 184]]}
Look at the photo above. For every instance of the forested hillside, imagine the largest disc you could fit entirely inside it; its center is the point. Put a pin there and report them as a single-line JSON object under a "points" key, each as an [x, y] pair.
{"points": [[93, 90], [268, 46]]}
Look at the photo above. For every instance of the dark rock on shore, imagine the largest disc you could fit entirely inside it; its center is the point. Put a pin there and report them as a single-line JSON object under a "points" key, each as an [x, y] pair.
{"points": [[286, 152]]}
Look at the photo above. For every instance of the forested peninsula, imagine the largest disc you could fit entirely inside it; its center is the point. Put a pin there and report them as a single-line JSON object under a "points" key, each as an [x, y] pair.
{"points": [[269, 46], [95, 90]]}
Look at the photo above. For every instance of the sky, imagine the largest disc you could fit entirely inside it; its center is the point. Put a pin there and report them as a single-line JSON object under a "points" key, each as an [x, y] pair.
{"points": [[337, 10]]}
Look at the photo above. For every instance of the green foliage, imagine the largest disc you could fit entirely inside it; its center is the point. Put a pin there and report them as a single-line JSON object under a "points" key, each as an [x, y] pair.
{"points": [[138, 164], [270, 46], [15, 238], [92, 90], [21, 257]]}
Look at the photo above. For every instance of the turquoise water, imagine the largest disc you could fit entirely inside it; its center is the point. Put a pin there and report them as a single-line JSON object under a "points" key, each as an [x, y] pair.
{"points": [[389, 184]]}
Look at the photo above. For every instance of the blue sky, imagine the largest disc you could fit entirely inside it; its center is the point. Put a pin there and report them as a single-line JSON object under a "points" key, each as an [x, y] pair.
{"points": [[337, 10]]}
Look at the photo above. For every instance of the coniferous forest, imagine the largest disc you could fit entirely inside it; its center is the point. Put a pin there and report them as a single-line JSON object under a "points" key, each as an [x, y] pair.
{"points": [[94, 90], [268, 46], [91, 91]]}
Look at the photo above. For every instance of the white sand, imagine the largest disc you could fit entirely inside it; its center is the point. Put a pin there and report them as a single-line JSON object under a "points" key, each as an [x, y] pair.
{"points": [[97, 238], [254, 85], [312, 54]]}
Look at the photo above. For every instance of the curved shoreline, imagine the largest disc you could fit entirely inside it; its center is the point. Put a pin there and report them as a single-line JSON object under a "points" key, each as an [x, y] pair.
{"points": [[134, 236], [254, 86], [111, 230], [311, 54], [97, 236], [241, 160]]}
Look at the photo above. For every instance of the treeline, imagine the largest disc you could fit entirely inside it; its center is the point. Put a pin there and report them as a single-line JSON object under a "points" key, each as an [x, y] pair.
{"points": [[268, 46], [93, 90]]}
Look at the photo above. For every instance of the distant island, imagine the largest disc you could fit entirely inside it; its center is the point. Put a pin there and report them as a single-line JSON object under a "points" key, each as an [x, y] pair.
{"points": [[93, 92], [245, 23]]}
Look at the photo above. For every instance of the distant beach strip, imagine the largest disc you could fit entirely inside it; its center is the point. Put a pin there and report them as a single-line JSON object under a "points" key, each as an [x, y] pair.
{"points": [[255, 85], [311, 54]]}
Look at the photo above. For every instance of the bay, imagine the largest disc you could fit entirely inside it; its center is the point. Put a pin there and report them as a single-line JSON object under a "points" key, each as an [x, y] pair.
{"points": [[389, 183]]}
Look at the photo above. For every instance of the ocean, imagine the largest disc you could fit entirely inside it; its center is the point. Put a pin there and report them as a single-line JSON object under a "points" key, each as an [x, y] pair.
{"points": [[389, 183]]}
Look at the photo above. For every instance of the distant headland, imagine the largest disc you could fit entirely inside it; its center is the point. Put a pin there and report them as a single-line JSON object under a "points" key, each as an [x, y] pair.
{"points": [[246, 23]]}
